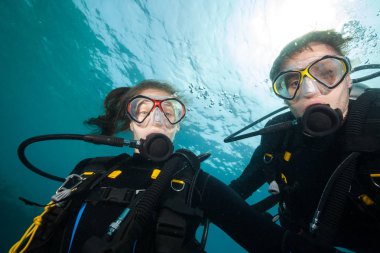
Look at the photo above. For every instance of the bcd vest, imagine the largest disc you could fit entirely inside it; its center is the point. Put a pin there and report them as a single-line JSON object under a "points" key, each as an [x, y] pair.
{"points": [[289, 161], [174, 223]]}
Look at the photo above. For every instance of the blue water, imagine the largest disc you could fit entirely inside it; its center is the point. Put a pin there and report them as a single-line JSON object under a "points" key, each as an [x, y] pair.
{"points": [[58, 59]]}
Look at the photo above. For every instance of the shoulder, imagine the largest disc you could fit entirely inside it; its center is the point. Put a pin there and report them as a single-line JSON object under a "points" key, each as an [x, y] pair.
{"points": [[94, 162], [374, 108], [370, 99], [97, 163], [280, 118], [275, 139], [365, 111]]}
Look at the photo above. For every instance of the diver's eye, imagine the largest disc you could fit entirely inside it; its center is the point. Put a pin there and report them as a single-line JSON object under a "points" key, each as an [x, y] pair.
{"points": [[290, 80], [170, 116], [328, 75], [292, 85], [143, 113]]}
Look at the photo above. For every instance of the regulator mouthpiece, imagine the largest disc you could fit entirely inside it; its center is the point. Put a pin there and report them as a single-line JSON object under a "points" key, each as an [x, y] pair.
{"points": [[320, 120], [156, 147]]}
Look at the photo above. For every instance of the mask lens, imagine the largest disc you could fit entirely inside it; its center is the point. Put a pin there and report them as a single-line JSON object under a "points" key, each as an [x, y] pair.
{"points": [[287, 84], [329, 71], [139, 108], [168, 111], [173, 110]]}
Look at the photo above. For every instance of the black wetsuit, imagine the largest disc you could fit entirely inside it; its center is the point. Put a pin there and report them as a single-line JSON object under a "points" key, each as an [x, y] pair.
{"points": [[301, 166], [218, 202]]}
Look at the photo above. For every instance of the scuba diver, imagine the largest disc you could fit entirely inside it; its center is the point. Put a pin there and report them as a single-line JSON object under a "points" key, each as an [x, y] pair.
{"points": [[152, 201], [321, 159]]}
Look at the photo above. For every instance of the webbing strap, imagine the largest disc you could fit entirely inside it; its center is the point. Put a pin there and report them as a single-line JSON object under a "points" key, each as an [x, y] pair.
{"points": [[111, 194]]}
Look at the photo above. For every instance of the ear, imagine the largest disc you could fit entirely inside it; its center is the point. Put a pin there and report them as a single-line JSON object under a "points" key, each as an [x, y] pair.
{"points": [[132, 127]]}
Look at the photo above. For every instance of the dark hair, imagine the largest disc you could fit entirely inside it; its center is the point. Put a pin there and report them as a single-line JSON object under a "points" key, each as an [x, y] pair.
{"points": [[328, 37], [115, 118]]}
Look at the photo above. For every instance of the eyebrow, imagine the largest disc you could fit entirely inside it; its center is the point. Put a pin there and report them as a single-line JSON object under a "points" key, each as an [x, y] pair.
{"points": [[302, 68]]}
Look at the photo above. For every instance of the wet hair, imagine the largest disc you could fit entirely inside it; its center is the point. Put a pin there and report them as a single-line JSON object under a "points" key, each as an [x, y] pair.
{"points": [[115, 118], [328, 37]]}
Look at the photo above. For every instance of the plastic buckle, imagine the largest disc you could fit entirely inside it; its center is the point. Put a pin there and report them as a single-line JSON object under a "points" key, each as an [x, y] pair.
{"points": [[118, 195], [138, 191], [71, 183]]}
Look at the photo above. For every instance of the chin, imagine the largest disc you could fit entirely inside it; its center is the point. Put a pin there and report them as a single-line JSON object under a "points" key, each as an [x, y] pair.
{"points": [[297, 112]]}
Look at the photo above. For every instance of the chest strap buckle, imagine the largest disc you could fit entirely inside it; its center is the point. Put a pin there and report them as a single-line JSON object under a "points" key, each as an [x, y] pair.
{"points": [[115, 195]]}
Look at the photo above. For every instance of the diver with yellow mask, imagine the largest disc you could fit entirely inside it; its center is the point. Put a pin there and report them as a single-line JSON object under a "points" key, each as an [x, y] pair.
{"points": [[321, 159]]}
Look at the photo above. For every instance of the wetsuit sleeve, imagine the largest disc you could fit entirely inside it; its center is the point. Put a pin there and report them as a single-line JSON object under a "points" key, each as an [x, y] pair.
{"points": [[252, 177], [225, 208], [257, 172], [250, 229]]}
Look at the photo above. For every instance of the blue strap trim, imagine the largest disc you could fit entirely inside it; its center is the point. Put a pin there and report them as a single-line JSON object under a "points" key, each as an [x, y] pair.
{"points": [[79, 216], [134, 246]]}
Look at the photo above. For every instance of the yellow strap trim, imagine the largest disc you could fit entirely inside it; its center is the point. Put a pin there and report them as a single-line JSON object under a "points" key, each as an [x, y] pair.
{"points": [[155, 173], [114, 174], [375, 175], [88, 173], [287, 156], [30, 232], [283, 177], [366, 200], [178, 181], [268, 155]]}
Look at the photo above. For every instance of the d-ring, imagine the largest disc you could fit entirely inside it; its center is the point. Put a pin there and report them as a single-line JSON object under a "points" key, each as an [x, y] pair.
{"points": [[177, 185]]}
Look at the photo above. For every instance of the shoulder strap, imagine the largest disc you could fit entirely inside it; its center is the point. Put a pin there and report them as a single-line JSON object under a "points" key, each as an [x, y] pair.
{"points": [[96, 169], [177, 218], [99, 163]]}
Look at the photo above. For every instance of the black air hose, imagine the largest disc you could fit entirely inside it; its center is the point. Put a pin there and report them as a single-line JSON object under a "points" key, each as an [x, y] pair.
{"points": [[142, 213], [333, 200], [334, 197]]}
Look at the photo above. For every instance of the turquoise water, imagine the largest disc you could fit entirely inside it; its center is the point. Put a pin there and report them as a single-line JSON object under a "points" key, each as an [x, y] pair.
{"points": [[58, 59]]}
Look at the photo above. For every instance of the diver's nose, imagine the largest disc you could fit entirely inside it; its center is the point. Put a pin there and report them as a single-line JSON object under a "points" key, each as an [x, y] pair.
{"points": [[309, 88], [157, 117]]}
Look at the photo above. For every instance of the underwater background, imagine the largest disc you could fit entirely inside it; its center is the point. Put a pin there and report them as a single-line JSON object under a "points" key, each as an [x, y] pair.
{"points": [[58, 60]]}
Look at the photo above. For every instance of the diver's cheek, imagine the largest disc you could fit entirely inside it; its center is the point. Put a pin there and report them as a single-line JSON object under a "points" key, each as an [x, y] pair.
{"points": [[138, 131], [171, 132], [297, 107]]}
